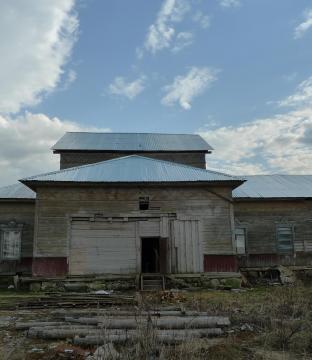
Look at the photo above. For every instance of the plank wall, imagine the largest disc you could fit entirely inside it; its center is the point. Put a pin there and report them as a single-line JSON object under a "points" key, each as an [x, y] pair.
{"points": [[70, 159], [260, 218], [56, 206], [23, 212]]}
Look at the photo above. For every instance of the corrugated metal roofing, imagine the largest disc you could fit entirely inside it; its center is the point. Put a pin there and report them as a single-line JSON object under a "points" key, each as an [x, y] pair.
{"points": [[131, 169], [131, 142], [275, 186], [16, 191]]}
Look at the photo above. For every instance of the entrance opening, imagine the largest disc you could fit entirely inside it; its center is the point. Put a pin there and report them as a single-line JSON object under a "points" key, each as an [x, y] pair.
{"points": [[150, 255]]}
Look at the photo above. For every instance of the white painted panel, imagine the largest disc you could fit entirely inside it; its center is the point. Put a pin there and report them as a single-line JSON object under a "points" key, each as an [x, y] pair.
{"points": [[102, 248]]}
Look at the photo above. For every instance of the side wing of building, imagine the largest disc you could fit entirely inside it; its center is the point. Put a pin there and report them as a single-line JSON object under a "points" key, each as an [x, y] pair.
{"points": [[273, 218], [17, 216]]}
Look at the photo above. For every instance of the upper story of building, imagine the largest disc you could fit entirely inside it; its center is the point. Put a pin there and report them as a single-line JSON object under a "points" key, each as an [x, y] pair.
{"points": [[80, 148]]}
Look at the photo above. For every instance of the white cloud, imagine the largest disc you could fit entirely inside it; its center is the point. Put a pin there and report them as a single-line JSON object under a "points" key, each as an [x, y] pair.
{"points": [[185, 88], [229, 3], [36, 40], [162, 33], [303, 27], [183, 40], [128, 89], [70, 78], [202, 19], [25, 144], [301, 97], [282, 143]]}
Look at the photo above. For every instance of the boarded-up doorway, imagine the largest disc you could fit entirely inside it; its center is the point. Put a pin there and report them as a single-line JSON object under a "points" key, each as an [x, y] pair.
{"points": [[102, 247], [150, 255]]}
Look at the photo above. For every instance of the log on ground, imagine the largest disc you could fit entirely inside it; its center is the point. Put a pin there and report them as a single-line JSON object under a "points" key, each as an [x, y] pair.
{"points": [[166, 337], [161, 323]]}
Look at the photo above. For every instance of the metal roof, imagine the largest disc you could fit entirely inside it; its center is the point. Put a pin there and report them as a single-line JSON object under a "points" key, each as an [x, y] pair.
{"points": [[132, 169], [16, 191], [79, 141], [275, 186]]}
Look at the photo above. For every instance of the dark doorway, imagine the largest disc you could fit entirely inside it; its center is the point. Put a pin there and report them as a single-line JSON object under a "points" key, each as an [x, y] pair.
{"points": [[150, 255]]}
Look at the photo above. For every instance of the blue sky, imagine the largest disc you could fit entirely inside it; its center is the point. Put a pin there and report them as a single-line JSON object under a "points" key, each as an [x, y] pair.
{"points": [[252, 46], [236, 71]]}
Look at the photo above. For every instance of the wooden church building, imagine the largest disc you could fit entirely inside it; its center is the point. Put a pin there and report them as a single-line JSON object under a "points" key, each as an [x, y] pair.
{"points": [[145, 203]]}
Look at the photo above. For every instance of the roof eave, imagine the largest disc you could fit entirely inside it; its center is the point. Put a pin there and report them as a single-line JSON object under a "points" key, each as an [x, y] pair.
{"points": [[29, 200], [59, 151], [33, 184], [284, 198]]}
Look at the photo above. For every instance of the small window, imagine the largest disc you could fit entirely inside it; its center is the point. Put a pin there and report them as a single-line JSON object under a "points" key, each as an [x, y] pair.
{"points": [[240, 240], [144, 202], [11, 245], [285, 238]]}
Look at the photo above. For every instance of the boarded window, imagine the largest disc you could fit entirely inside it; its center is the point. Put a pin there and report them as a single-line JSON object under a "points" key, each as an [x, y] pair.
{"points": [[240, 240], [285, 238], [11, 245]]}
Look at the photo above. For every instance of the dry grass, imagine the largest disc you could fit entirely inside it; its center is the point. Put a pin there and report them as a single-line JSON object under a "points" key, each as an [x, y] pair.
{"points": [[280, 320], [279, 327]]}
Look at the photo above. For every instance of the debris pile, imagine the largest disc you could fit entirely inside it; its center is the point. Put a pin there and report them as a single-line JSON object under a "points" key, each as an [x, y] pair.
{"points": [[97, 327]]}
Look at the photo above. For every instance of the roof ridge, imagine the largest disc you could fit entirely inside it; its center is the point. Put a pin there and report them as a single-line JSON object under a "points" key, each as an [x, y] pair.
{"points": [[128, 133]]}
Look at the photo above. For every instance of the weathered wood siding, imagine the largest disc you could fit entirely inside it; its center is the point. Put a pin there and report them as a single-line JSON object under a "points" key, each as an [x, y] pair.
{"points": [[260, 218], [56, 205], [23, 213], [186, 247], [102, 247], [70, 159]]}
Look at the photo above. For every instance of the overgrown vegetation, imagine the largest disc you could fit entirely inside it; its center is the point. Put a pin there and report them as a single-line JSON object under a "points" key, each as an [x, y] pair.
{"points": [[267, 323]]}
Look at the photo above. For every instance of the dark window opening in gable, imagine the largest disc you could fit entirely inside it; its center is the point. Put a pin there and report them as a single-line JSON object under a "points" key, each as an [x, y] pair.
{"points": [[144, 202]]}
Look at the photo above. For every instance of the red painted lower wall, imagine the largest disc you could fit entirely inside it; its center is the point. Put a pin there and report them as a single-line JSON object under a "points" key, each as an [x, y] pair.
{"points": [[220, 263], [49, 266]]}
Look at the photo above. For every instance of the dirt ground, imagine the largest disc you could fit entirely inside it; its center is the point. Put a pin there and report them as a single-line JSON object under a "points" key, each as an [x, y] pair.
{"points": [[266, 323]]}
